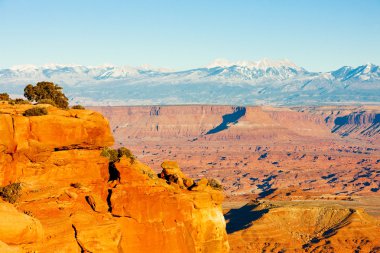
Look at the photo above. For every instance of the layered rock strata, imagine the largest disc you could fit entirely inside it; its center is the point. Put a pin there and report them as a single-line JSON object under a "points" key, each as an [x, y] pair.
{"points": [[68, 203], [260, 150]]}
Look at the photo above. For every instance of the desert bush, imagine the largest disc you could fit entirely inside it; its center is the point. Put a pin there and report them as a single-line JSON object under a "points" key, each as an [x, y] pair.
{"points": [[19, 101], [149, 174], [46, 101], [46, 90], [11, 192], [27, 212], [114, 155], [78, 107], [215, 184], [110, 153], [4, 97], [125, 152], [36, 111]]}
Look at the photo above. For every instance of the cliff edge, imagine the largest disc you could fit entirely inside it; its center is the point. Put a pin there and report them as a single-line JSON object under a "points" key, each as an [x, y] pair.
{"points": [[67, 197]]}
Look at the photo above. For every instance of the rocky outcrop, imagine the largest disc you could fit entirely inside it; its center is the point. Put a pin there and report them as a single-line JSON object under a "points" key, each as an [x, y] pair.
{"points": [[173, 174], [73, 206], [168, 216], [301, 227], [18, 228]]}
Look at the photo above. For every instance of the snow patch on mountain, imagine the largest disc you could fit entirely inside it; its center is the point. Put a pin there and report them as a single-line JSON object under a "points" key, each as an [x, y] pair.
{"points": [[277, 82]]}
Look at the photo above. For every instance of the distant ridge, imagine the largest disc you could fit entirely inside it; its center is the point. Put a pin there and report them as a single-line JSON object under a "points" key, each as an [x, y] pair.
{"points": [[221, 82]]}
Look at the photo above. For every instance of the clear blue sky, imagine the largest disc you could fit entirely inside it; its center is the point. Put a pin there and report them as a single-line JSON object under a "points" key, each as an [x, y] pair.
{"points": [[316, 34]]}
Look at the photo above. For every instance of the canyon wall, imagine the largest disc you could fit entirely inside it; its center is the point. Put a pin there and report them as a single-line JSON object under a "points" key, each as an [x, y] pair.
{"points": [[262, 151], [66, 199], [361, 123]]}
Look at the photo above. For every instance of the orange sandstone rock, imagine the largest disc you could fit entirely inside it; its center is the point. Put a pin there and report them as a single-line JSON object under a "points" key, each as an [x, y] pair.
{"points": [[66, 188], [172, 173], [194, 219], [301, 226], [18, 228]]}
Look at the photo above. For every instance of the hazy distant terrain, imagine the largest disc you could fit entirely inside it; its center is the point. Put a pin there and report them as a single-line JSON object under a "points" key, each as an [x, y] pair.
{"points": [[241, 83], [259, 150]]}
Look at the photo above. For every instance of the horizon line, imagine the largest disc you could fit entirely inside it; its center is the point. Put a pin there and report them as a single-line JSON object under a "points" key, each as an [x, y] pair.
{"points": [[147, 66]]}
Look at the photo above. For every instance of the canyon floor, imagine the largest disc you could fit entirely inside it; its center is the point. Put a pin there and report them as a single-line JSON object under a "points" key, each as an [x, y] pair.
{"points": [[300, 162]]}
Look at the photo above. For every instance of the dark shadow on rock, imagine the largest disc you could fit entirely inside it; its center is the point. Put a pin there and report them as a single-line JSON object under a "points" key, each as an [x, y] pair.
{"points": [[357, 118], [231, 118], [109, 203], [113, 172], [266, 193], [242, 218]]}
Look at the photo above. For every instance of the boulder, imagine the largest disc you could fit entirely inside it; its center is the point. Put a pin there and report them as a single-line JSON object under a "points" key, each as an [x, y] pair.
{"points": [[18, 228]]}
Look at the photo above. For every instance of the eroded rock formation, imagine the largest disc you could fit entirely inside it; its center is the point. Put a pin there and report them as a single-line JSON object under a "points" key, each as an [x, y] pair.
{"points": [[301, 227], [260, 150], [69, 204]]}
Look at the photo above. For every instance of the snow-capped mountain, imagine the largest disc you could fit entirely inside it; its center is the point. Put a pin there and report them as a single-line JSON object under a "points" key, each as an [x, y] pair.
{"points": [[263, 69], [73, 74], [221, 82], [368, 72]]}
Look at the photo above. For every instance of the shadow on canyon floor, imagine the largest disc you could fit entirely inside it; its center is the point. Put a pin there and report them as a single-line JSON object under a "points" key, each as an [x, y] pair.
{"points": [[242, 218], [228, 119]]}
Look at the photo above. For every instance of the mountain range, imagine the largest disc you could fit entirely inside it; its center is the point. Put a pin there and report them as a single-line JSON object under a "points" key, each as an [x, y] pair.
{"points": [[222, 82]]}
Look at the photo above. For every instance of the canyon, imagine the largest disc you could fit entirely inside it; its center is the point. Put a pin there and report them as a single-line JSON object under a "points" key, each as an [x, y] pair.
{"points": [[296, 179], [292, 179], [260, 150]]}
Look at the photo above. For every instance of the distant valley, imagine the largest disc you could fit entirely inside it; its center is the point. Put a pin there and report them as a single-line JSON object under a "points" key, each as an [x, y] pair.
{"points": [[261, 151]]}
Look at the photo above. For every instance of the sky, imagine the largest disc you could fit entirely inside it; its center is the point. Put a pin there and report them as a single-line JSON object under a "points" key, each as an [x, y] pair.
{"points": [[319, 35]]}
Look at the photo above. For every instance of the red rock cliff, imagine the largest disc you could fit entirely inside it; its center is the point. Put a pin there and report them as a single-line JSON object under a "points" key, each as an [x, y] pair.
{"points": [[68, 203]]}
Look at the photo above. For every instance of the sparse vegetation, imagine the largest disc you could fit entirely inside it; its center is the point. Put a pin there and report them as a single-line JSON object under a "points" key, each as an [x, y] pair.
{"points": [[114, 155], [46, 90], [18, 101], [149, 174], [47, 101], [110, 153], [126, 152], [215, 184], [78, 107], [4, 97], [11, 192], [27, 212], [36, 111]]}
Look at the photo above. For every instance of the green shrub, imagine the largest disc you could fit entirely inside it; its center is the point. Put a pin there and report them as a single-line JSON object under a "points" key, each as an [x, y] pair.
{"points": [[114, 155], [4, 97], [110, 153], [46, 101], [11, 192], [19, 101], [215, 184], [36, 111], [46, 90], [78, 107], [125, 152]]}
